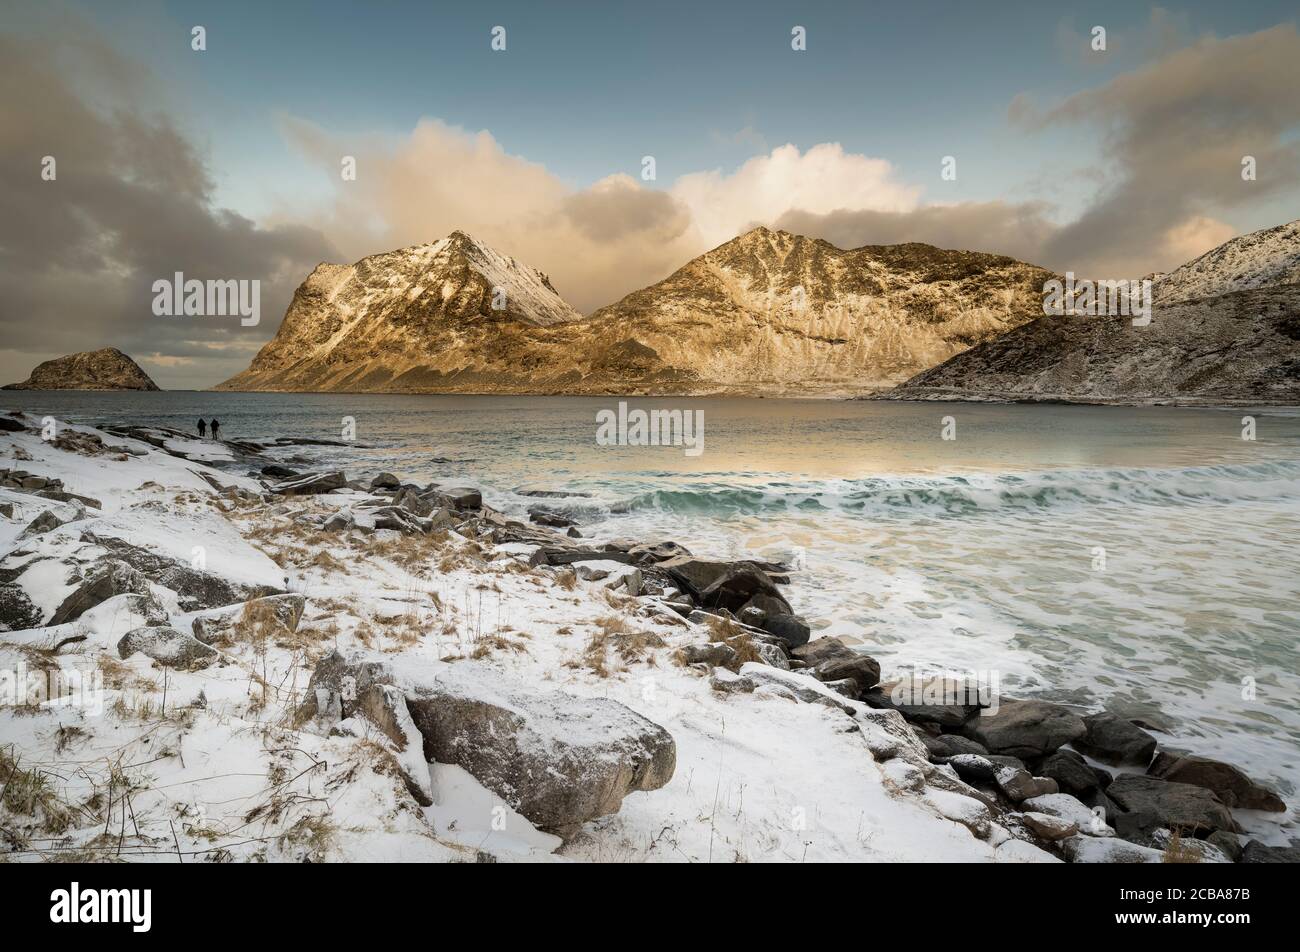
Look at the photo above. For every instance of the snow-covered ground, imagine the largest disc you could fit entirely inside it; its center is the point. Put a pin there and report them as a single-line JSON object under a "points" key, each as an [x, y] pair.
{"points": [[216, 764]]}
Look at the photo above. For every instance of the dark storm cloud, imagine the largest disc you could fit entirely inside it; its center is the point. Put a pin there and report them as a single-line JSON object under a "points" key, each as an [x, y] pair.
{"points": [[131, 204]]}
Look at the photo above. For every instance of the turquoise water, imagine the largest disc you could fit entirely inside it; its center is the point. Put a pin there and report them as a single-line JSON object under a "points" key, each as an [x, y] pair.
{"points": [[979, 553]]}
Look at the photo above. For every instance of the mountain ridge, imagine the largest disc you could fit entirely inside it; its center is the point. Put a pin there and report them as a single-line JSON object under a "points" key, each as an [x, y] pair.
{"points": [[104, 369]]}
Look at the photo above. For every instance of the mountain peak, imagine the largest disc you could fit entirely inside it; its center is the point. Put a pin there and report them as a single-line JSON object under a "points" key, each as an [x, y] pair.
{"points": [[104, 369]]}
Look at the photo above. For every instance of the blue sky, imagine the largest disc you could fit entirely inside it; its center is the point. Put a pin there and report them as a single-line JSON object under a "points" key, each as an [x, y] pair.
{"points": [[588, 88]]}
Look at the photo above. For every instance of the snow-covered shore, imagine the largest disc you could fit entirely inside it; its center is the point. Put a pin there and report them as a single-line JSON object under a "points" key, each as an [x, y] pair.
{"points": [[215, 747]]}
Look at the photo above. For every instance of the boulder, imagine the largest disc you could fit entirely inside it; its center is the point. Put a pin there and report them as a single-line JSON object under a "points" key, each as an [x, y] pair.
{"points": [[1018, 784], [1070, 808], [950, 745], [792, 630], [725, 682], [1048, 827], [1256, 852], [1229, 844], [311, 484], [862, 668], [1071, 772], [274, 614], [549, 517], [804, 688], [736, 586], [416, 505], [973, 768], [1178, 806], [934, 700], [1233, 787], [275, 471], [1092, 849], [340, 521], [168, 646], [385, 481], [716, 653], [1025, 728], [566, 555], [385, 707], [650, 553], [106, 579], [557, 759], [1114, 740], [459, 498]]}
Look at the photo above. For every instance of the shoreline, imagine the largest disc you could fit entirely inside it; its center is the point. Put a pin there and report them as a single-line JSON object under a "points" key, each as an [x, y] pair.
{"points": [[446, 533]]}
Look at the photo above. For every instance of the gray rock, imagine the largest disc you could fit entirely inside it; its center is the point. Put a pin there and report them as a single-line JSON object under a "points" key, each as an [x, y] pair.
{"points": [[385, 481], [106, 579], [549, 517], [1256, 852], [1113, 740], [1025, 728], [1229, 844], [557, 759], [1233, 787], [717, 653], [1071, 773], [928, 701], [792, 630], [274, 614], [1020, 785], [168, 646], [385, 707], [311, 484], [1048, 827], [1178, 806], [950, 745]]}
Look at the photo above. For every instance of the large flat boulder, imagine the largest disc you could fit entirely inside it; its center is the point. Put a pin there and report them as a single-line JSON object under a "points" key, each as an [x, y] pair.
{"points": [[168, 646], [1025, 728], [269, 616], [557, 759], [1114, 740], [1232, 786], [311, 484], [1176, 806]]}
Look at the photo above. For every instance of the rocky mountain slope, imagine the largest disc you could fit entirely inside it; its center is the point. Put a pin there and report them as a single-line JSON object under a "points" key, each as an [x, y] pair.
{"points": [[768, 312], [107, 369], [1225, 329], [1260, 259]]}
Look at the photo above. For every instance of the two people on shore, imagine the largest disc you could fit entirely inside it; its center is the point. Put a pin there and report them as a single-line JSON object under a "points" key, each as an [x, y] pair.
{"points": [[203, 428]]}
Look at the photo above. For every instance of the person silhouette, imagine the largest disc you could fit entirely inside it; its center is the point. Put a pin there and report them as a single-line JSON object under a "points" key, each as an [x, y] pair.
{"points": [[215, 428], [203, 428]]}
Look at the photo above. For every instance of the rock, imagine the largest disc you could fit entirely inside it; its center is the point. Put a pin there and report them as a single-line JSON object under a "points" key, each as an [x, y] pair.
{"points": [[717, 653], [168, 646], [106, 579], [275, 471], [801, 686], [967, 811], [1113, 740], [1048, 827], [934, 700], [735, 586], [407, 499], [557, 759], [1230, 845], [311, 484], [973, 768], [862, 668], [845, 687], [773, 655], [33, 483], [1233, 787], [1257, 852], [1178, 806], [1020, 785], [725, 682], [1069, 808], [1071, 773], [385, 481], [549, 517], [903, 775], [340, 521], [459, 498], [1092, 849], [950, 745], [644, 553], [564, 555], [273, 615], [597, 569], [385, 707], [10, 425], [1025, 728], [46, 522], [792, 630], [400, 520], [572, 533]]}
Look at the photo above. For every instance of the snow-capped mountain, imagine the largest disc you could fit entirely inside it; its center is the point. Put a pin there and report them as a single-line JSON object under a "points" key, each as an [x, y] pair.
{"points": [[768, 312], [1225, 329], [1260, 259], [403, 319]]}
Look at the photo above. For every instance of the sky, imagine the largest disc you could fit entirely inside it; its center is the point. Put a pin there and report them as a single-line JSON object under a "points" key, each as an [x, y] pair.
{"points": [[226, 162]]}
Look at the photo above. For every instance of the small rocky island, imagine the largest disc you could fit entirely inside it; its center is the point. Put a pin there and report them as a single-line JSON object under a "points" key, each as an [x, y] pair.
{"points": [[107, 369]]}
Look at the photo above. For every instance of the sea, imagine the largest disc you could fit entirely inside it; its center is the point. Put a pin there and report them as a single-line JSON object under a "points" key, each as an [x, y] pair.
{"points": [[1142, 559]]}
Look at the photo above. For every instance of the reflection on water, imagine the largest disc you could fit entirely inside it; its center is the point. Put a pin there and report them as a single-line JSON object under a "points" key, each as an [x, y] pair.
{"points": [[1086, 553]]}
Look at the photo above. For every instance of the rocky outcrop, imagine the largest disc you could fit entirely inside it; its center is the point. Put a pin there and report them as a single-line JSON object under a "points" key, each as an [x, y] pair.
{"points": [[107, 369], [1229, 783], [557, 759], [768, 312], [1224, 329], [168, 646], [1174, 806]]}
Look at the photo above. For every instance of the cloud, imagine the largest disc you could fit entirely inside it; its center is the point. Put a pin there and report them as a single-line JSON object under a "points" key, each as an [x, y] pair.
{"points": [[596, 244], [130, 203], [822, 180], [1017, 229], [1175, 133]]}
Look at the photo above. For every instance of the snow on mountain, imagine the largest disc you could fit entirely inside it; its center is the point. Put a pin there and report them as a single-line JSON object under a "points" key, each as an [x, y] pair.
{"points": [[1260, 259]]}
